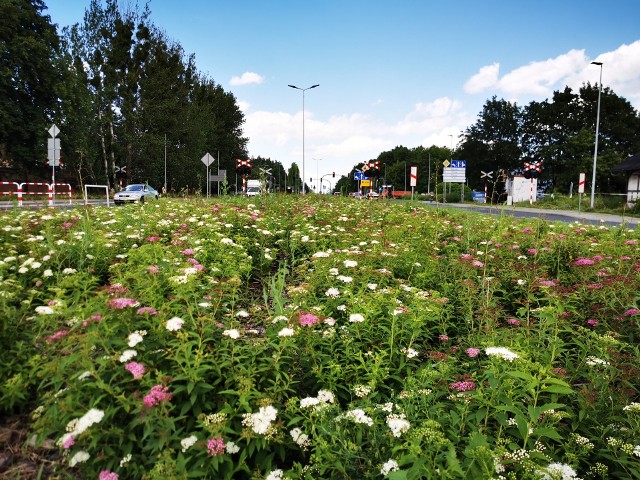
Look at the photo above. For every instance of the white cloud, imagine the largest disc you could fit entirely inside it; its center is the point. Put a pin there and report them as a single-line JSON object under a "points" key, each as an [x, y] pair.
{"points": [[247, 78], [538, 80], [542, 78], [486, 78]]}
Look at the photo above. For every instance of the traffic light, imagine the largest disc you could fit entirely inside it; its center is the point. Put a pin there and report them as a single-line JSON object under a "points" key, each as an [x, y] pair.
{"points": [[334, 174]]}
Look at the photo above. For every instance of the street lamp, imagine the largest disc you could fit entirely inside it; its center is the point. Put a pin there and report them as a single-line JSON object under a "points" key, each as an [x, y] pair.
{"points": [[595, 152], [303, 90]]}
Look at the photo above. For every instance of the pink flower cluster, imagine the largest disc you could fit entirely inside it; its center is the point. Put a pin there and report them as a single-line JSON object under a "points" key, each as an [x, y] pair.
{"points": [[631, 311], [147, 310], [215, 446], [107, 475], [463, 386], [473, 352], [136, 369], [123, 302], [158, 394], [583, 261], [188, 252], [56, 336], [68, 442], [308, 319], [443, 338]]}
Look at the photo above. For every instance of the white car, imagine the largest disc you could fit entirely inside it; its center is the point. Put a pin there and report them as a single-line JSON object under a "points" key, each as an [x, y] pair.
{"points": [[134, 193]]}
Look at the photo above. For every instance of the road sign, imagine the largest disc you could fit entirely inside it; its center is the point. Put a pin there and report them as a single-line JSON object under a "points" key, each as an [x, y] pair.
{"points": [[53, 152], [207, 159], [581, 183], [458, 164], [454, 175], [414, 176], [365, 183], [54, 131], [266, 171], [360, 176], [446, 163], [486, 174]]}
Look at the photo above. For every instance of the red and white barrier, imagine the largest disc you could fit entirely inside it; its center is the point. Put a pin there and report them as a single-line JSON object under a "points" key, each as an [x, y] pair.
{"points": [[19, 190]]}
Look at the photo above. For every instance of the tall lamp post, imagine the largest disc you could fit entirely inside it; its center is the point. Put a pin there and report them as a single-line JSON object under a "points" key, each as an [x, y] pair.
{"points": [[303, 90], [595, 152]]}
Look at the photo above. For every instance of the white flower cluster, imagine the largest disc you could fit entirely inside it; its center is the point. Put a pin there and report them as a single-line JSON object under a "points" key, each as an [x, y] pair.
{"points": [[286, 332], [324, 398], [558, 471], [356, 318], [501, 352], [79, 457], [361, 390], [127, 355], [78, 425], [231, 447], [261, 421], [595, 361], [135, 338], [332, 292], [398, 424], [302, 439], [276, 475], [359, 416], [233, 333], [633, 407], [389, 466], [174, 324], [188, 442], [350, 263], [410, 352]]}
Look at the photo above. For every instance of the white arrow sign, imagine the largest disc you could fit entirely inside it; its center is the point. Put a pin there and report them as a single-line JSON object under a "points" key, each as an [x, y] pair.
{"points": [[485, 174], [120, 169], [267, 171], [207, 159]]}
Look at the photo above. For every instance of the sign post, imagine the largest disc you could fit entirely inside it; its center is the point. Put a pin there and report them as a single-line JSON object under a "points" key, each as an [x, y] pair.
{"points": [[54, 155], [580, 189], [207, 160], [531, 170], [413, 180], [455, 172], [488, 176]]}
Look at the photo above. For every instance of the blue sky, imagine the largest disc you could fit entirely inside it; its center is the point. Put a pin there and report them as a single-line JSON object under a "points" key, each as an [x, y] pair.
{"points": [[391, 73]]}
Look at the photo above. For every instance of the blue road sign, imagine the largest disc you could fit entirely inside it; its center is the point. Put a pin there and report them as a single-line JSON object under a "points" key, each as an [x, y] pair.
{"points": [[360, 176], [458, 164]]}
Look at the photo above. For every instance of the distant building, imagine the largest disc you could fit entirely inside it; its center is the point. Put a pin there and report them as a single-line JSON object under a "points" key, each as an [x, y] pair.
{"points": [[632, 166]]}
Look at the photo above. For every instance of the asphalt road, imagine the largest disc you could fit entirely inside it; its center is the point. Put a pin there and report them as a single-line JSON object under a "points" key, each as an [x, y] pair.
{"points": [[547, 214]]}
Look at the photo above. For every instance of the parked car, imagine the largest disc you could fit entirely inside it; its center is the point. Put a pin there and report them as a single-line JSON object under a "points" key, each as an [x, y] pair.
{"points": [[137, 192]]}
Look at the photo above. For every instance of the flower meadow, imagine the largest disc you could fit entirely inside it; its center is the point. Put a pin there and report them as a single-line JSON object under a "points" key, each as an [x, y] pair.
{"points": [[319, 338]]}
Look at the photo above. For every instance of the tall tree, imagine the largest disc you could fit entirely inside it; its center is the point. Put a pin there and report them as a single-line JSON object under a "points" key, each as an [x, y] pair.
{"points": [[493, 142], [28, 80]]}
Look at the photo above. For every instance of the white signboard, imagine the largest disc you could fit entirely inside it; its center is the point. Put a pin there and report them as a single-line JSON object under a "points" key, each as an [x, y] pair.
{"points": [[207, 159], [414, 176], [581, 183], [454, 175], [521, 188], [53, 152]]}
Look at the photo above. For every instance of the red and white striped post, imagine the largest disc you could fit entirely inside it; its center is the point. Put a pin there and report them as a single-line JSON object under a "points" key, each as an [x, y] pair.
{"points": [[413, 176]]}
